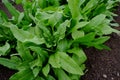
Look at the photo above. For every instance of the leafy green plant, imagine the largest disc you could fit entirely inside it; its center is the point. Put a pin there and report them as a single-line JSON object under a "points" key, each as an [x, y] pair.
{"points": [[46, 40]]}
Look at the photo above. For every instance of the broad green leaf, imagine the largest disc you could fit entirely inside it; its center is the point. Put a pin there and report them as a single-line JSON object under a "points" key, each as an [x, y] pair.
{"points": [[61, 29], [41, 3], [42, 15], [55, 18], [75, 77], [77, 34], [35, 63], [18, 1], [39, 78], [46, 34], [8, 63], [95, 22], [101, 47], [74, 6], [79, 25], [24, 52], [89, 5], [4, 49], [11, 9], [79, 55], [63, 45], [23, 65], [21, 16], [83, 66], [52, 9], [36, 71], [46, 31], [25, 36], [61, 74], [81, 2], [46, 70], [69, 65], [54, 60], [100, 9], [108, 30], [39, 51], [16, 59], [100, 40], [50, 77], [87, 38], [23, 75]]}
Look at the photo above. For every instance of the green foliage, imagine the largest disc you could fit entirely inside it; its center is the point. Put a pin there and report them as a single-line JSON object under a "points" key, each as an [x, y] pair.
{"points": [[45, 41]]}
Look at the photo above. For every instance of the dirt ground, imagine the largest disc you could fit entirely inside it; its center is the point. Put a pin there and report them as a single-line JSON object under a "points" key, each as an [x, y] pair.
{"points": [[101, 65]]}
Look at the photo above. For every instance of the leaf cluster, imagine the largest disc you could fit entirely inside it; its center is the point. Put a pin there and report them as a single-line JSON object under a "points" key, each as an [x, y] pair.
{"points": [[46, 40]]}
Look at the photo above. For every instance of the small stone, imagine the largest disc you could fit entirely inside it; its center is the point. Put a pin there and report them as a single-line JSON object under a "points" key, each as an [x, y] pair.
{"points": [[112, 78], [118, 74], [104, 75]]}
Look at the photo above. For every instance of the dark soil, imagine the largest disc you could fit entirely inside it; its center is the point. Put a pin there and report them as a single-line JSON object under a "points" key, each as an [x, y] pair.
{"points": [[101, 65]]}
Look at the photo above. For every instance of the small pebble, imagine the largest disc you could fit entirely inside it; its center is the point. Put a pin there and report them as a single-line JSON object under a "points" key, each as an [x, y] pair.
{"points": [[104, 75], [118, 74], [112, 78]]}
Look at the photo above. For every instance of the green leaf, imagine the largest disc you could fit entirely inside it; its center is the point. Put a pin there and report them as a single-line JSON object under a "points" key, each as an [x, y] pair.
{"points": [[50, 77], [23, 65], [36, 71], [87, 38], [42, 15], [23, 75], [42, 53], [39, 78], [4, 49], [41, 3], [21, 16], [24, 52], [35, 63], [108, 30], [81, 2], [69, 65], [77, 34], [54, 60], [46, 34], [79, 25], [46, 70], [61, 29], [95, 22], [89, 5], [8, 63], [100, 40], [100, 9], [18, 1], [55, 18], [11, 9], [61, 74], [74, 6], [79, 55], [63, 45], [25, 36], [101, 47], [75, 77]]}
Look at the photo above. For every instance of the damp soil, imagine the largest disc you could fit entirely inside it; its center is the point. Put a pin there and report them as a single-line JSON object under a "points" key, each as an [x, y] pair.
{"points": [[101, 65]]}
